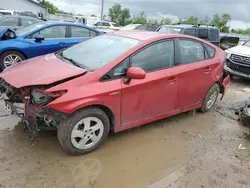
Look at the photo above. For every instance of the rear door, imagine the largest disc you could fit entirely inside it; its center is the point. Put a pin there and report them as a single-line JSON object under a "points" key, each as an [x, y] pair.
{"points": [[55, 39], [79, 34], [156, 94], [196, 65]]}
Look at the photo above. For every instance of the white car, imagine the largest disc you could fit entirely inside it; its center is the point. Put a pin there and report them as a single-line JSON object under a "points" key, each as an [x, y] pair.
{"points": [[105, 25], [238, 60]]}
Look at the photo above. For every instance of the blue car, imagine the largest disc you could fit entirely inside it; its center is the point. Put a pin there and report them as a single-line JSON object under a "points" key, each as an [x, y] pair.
{"points": [[39, 39]]}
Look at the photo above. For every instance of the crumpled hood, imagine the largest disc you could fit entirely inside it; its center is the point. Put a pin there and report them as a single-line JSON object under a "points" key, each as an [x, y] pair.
{"points": [[41, 70], [4, 30], [241, 50]]}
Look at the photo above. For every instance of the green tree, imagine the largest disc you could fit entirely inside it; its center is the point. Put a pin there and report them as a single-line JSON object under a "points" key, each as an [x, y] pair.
{"points": [[52, 9], [118, 15], [165, 21], [205, 21], [93, 15], [221, 21], [153, 22], [141, 18], [191, 20]]}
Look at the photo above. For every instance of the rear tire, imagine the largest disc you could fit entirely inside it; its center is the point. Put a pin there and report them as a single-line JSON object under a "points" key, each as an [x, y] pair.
{"points": [[210, 98], [9, 58], [78, 134]]}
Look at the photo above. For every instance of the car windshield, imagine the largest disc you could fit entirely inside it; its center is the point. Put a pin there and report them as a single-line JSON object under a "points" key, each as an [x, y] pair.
{"points": [[170, 30], [130, 27], [99, 51], [24, 30], [247, 43]]}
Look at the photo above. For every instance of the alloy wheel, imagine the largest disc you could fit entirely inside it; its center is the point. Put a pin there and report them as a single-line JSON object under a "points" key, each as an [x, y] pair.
{"points": [[11, 59], [87, 133]]}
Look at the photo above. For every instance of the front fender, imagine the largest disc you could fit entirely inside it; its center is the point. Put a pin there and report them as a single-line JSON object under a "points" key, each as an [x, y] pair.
{"points": [[70, 107]]}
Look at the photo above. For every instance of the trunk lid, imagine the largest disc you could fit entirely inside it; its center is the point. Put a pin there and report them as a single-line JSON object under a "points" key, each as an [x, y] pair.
{"points": [[43, 70]]}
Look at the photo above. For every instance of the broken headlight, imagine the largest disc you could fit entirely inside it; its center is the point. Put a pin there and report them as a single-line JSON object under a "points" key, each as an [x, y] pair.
{"points": [[40, 98]]}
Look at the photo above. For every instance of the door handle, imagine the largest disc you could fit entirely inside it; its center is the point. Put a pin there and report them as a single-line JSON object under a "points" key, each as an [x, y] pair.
{"points": [[171, 80], [207, 70]]}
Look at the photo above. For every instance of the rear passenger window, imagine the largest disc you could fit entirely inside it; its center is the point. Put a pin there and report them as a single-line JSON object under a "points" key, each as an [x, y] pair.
{"points": [[191, 32], [79, 32], [210, 51], [191, 51], [203, 34], [155, 57], [213, 35]]}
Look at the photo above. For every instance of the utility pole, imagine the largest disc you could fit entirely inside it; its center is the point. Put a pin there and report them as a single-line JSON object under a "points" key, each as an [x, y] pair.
{"points": [[102, 10]]}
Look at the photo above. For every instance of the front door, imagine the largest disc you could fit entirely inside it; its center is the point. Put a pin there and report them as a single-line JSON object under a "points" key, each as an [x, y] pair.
{"points": [[156, 94], [55, 39], [194, 73]]}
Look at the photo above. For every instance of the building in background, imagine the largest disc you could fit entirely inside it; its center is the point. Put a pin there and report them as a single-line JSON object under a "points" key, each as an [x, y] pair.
{"points": [[25, 5]]}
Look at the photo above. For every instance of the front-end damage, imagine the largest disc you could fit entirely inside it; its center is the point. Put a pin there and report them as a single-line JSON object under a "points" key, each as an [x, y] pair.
{"points": [[30, 104]]}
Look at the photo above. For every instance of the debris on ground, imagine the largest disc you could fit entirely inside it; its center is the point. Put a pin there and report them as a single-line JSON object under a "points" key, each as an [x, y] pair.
{"points": [[240, 147], [239, 111]]}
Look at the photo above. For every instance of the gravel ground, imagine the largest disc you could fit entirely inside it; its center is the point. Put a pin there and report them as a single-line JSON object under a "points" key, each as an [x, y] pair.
{"points": [[188, 150]]}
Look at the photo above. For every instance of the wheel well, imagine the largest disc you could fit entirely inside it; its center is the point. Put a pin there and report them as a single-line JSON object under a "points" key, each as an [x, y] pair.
{"points": [[108, 112], [14, 50]]}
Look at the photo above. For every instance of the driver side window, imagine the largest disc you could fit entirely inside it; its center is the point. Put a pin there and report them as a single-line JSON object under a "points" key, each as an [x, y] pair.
{"points": [[53, 32]]}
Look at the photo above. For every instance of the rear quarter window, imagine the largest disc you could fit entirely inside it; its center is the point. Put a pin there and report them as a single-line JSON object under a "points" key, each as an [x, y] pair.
{"points": [[203, 34], [210, 51], [213, 35], [191, 32]]}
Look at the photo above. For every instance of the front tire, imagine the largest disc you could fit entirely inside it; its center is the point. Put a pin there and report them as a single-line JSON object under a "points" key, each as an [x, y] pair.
{"points": [[210, 98], [9, 58], [83, 132]]}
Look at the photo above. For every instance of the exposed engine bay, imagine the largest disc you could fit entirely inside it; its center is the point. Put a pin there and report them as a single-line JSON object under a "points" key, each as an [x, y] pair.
{"points": [[29, 103], [7, 34]]}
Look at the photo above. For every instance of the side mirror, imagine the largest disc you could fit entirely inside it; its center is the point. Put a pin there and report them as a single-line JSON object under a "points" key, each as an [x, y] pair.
{"points": [[39, 38], [135, 73]]}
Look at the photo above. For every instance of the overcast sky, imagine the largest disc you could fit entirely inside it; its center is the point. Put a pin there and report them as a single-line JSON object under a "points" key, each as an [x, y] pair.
{"points": [[174, 9]]}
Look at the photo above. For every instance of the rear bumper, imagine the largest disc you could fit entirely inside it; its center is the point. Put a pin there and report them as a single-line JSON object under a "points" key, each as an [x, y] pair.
{"points": [[236, 73]]}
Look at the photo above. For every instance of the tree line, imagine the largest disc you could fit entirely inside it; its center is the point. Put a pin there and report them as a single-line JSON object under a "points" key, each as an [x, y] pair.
{"points": [[121, 16]]}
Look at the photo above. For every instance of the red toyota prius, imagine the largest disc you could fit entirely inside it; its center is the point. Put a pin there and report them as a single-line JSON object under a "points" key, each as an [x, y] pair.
{"points": [[114, 82]]}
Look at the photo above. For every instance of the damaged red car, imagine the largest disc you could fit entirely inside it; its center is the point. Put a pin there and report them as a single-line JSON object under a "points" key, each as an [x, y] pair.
{"points": [[114, 82]]}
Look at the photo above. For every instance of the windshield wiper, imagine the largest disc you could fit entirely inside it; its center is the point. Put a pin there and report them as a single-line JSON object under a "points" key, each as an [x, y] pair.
{"points": [[70, 60]]}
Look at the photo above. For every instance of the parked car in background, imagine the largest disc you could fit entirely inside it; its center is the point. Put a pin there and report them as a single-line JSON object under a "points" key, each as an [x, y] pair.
{"points": [[15, 22], [228, 41], [105, 25], [39, 39], [142, 27], [103, 84], [209, 33], [7, 12], [238, 60], [27, 13]]}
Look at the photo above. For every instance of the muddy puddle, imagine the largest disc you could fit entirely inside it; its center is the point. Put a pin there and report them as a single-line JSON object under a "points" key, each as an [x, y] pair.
{"points": [[134, 158]]}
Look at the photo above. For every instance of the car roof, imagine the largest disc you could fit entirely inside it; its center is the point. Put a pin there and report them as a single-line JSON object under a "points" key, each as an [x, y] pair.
{"points": [[190, 26], [140, 35], [51, 23]]}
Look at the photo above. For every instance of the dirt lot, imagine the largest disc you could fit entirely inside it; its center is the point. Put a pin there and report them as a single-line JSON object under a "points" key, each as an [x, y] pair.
{"points": [[187, 151]]}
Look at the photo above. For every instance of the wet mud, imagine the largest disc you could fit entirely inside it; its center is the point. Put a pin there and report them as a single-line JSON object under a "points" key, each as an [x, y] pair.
{"points": [[188, 150]]}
